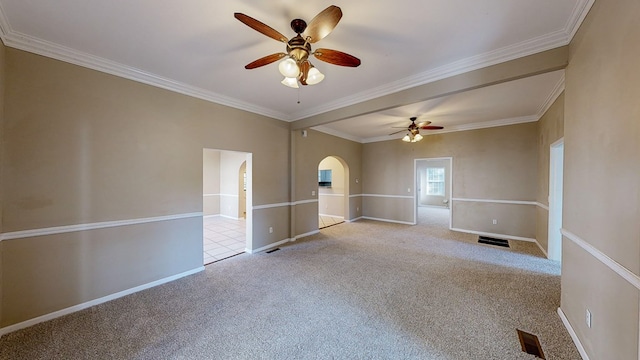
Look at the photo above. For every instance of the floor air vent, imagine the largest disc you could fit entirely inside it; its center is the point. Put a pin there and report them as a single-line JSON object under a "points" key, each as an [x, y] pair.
{"points": [[530, 344], [272, 250], [493, 241]]}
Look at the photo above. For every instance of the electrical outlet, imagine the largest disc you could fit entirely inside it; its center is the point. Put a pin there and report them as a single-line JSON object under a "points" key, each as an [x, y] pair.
{"points": [[588, 318], [313, 193], [270, 229], [357, 209], [495, 221], [408, 190]]}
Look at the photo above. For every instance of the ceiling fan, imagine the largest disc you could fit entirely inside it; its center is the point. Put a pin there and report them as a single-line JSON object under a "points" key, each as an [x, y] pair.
{"points": [[296, 66], [413, 134]]}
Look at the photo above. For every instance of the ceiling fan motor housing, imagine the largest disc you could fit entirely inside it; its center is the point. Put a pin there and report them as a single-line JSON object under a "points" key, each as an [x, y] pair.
{"points": [[298, 48]]}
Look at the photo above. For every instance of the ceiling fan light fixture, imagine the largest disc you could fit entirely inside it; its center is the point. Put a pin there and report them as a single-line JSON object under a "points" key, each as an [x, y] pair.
{"points": [[289, 68], [314, 76], [406, 138], [290, 82], [417, 137]]}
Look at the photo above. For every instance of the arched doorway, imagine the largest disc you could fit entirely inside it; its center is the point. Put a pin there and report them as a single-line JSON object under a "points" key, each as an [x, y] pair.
{"points": [[333, 191]]}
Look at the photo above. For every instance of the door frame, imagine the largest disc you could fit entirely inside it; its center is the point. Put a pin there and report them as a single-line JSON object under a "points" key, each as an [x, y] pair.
{"points": [[554, 224], [416, 185]]}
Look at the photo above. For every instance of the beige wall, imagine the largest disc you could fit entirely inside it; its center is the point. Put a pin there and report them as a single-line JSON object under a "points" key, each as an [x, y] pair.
{"points": [[601, 177], [210, 182], [83, 147], [308, 152], [488, 164], [550, 129]]}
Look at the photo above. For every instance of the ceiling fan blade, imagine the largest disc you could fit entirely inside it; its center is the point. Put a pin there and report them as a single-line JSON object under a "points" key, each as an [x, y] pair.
{"points": [[393, 133], [305, 66], [432, 127], [265, 60], [336, 57], [260, 27], [424, 123], [322, 24]]}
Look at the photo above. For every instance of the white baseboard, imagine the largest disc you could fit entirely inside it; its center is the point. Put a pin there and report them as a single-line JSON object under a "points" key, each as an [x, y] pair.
{"points": [[267, 247], [573, 334], [502, 236], [72, 309], [388, 220], [542, 249], [211, 216], [354, 219], [306, 234], [229, 217]]}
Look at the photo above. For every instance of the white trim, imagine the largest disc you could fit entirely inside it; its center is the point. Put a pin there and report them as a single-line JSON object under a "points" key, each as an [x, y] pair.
{"points": [[387, 220], [355, 195], [93, 226], [204, 195], [463, 127], [625, 273], [541, 205], [549, 41], [509, 237], [337, 133], [270, 206], [267, 247], [229, 195], [542, 249], [210, 216], [52, 50], [331, 194], [577, 17], [553, 96], [389, 196], [305, 234], [354, 219], [229, 217], [512, 202], [301, 202], [72, 309], [573, 334]]}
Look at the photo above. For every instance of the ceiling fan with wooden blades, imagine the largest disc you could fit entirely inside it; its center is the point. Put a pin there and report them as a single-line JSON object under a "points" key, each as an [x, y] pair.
{"points": [[296, 66], [413, 130]]}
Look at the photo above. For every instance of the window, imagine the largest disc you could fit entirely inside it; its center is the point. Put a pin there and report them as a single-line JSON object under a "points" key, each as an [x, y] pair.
{"points": [[324, 178], [435, 181]]}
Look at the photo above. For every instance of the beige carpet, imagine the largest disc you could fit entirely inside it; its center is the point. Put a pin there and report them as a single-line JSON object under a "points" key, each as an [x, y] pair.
{"points": [[363, 290]]}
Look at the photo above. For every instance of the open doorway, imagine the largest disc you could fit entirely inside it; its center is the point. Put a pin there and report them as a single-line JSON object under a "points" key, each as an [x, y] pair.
{"points": [[433, 191], [226, 196], [556, 169], [333, 191]]}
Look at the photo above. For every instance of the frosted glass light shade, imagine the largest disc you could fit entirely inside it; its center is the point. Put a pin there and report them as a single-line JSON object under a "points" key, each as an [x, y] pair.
{"points": [[314, 76], [288, 68], [290, 82], [406, 138], [418, 137]]}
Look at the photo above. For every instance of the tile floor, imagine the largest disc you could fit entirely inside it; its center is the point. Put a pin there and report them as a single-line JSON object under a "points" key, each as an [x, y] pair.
{"points": [[223, 237], [326, 221]]}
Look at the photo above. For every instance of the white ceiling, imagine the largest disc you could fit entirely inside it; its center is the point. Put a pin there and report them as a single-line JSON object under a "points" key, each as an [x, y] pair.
{"points": [[197, 47]]}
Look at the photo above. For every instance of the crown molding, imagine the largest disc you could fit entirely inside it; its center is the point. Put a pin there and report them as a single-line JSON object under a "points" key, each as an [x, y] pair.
{"points": [[526, 48], [553, 40], [465, 127], [553, 96], [337, 133], [542, 43], [45, 48]]}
